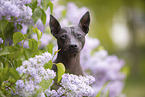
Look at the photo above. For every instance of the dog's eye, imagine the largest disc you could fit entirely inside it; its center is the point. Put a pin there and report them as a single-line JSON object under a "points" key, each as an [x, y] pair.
{"points": [[79, 35], [63, 36]]}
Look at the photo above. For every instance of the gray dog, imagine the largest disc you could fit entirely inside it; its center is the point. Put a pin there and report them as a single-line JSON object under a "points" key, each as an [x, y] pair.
{"points": [[70, 41]]}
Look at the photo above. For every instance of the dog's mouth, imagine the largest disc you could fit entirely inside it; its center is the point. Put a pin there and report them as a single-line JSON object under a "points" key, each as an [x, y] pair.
{"points": [[70, 50], [73, 51]]}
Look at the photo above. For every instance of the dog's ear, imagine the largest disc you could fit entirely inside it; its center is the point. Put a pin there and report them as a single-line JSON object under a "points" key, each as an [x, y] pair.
{"points": [[54, 25], [85, 22]]}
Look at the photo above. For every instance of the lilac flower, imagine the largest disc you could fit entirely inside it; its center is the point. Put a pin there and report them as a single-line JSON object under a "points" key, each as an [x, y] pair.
{"points": [[74, 13], [40, 25], [16, 9], [77, 85], [1, 40], [26, 1], [51, 93], [41, 95], [24, 29], [58, 11], [39, 2], [103, 67], [45, 39], [34, 73]]}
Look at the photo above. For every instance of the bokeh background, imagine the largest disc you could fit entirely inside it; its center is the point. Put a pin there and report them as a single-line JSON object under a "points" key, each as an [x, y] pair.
{"points": [[120, 26]]}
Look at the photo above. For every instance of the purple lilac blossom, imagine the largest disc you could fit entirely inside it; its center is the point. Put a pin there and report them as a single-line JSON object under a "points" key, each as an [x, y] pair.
{"points": [[58, 11], [45, 39], [24, 29], [1, 40], [74, 13], [34, 73], [26, 1], [103, 67], [16, 9]]}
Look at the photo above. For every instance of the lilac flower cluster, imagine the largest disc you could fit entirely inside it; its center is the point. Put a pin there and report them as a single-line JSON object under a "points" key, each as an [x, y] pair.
{"points": [[73, 13], [17, 10], [73, 86], [77, 86], [1, 40], [103, 67], [33, 73], [97, 63]]}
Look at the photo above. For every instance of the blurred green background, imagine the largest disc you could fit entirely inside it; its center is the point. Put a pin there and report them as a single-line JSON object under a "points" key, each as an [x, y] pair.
{"points": [[120, 26]]}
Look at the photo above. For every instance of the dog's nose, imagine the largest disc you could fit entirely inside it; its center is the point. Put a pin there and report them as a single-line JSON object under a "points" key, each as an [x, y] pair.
{"points": [[72, 46]]}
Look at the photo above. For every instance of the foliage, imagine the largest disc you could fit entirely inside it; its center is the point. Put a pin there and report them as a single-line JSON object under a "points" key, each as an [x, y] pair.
{"points": [[12, 55], [26, 49]]}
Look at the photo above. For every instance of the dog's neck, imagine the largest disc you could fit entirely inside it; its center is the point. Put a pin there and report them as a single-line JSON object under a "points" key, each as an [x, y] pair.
{"points": [[71, 62]]}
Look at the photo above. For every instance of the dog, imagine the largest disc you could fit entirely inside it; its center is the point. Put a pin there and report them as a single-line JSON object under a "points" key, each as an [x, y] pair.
{"points": [[70, 41]]}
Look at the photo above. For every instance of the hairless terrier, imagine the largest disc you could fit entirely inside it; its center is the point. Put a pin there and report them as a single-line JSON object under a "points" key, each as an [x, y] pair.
{"points": [[70, 41]]}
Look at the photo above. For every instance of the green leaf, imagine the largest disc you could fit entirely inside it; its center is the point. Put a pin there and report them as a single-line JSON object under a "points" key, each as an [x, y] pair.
{"points": [[37, 14], [5, 51], [19, 27], [27, 54], [125, 70], [33, 1], [3, 24], [107, 95], [43, 17], [50, 4], [17, 37], [48, 65], [61, 71], [14, 73], [50, 48], [5, 72], [38, 32], [45, 4], [1, 94], [33, 44], [99, 93], [13, 48], [45, 84], [33, 5]]}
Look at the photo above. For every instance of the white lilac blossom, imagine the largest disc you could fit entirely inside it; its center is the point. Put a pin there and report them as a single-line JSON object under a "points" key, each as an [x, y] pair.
{"points": [[73, 86], [76, 86], [34, 73], [16, 9]]}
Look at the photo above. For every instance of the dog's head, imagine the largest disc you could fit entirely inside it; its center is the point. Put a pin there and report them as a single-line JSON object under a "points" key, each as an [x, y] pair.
{"points": [[70, 39]]}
